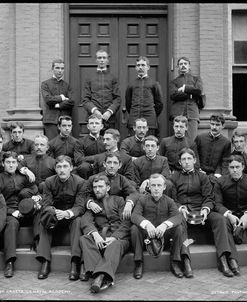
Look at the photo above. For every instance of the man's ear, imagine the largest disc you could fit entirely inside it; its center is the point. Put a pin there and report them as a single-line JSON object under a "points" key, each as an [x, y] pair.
{"points": [[108, 188], [180, 162], [104, 164]]}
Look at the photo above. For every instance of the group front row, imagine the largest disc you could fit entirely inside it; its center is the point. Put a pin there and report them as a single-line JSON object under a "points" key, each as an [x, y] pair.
{"points": [[107, 214]]}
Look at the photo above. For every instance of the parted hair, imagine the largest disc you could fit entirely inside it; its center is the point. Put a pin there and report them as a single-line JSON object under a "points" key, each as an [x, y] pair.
{"points": [[180, 118], [218, 118], [64, 117], [114, 132], [103, 178], [113, 154], [14, 125], [186, 150], [235, 158], [62, 158], [9, 154], [150, 138], [238, 133], [57, 60]]}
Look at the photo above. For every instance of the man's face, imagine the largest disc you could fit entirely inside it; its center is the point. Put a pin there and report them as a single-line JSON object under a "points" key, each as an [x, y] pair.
{"points": [[10, 165], [17, 134], [1, 144], [100, 189], [58, 70], [40, 146], [112, 165], [102, 59], [179, 129], [239, 143], [151, 148], [141, 129], [157, 186], [65, 128], [109, 142], [235, 169], [94, 126], [142, 68], [216, 127], [183, 66], [187, 161], [63, 169]]}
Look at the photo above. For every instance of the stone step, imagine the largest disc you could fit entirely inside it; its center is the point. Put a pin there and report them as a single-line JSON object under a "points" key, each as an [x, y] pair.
{"points": [[203, 257]]}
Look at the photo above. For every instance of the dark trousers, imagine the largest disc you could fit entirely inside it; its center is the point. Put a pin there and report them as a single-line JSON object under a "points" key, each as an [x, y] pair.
{"points": [[45, 239], [107, 262], [85, 170], [176, 234], [51, 130], [222, 232]]}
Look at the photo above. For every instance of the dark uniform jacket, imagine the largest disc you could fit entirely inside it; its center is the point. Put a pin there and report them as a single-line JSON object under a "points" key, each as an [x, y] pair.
{"points": [[60, 145], [170, 147], [15, 187], [26, 146], [147, 208], [231, 195], [144, 167], [42, 166], [126, 169], [120, 186], [109, 220], [144, 99], [102, 91], [132, 146], [66, 195], [212, 152], [51, 90], [184, 103], [86, 147], [192, 190]]}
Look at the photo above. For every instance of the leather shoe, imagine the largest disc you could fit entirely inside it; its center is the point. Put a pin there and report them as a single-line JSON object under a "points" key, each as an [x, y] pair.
{"points": [[74, 271], [106, 284], [84, 276], [96, 284], [175, 269], [45, 270], [188, 273], [138, 271], [9, 270], [224, 268], [234, 266]]}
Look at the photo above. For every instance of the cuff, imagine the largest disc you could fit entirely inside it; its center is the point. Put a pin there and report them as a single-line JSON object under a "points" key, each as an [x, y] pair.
{"points": [[62, 97], [132, 203], [168, 223], [71, 214], [144, 223], [227, 212], [182, 207], [110, 110], [207, 208], [245, 212], [88, 202], [93, 109]]}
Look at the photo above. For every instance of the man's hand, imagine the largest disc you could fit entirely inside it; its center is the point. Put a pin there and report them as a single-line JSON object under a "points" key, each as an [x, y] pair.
{"points": [[233, 219], [217, 175], [151, 230], [133, 158], [160, 230], [127, 210], [204, 212], [94, 207], [243, 221], [106, 115], [20, 157], [57, 105], [99, 241], [109, 240], [98, 113], [61, 214], [181, 89], [17, 214], [143, 186], [185, 212], [30, 175]]}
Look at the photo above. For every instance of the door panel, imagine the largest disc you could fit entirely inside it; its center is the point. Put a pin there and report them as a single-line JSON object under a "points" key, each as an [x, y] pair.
{"points": [[124, 38]]}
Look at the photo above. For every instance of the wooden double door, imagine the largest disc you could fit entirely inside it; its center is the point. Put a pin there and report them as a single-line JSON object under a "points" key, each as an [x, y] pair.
{"points": [[125, 39]]}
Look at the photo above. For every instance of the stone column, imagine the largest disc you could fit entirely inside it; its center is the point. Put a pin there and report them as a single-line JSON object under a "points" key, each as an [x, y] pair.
{"points": [[24, 60]]}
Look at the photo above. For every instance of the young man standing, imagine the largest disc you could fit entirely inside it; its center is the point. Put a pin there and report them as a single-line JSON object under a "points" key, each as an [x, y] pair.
{"points": [[143, 98]]}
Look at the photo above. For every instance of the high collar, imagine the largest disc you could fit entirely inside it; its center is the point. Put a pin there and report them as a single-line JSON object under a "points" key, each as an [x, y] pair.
{"points": [[188, 172], [101, 70], [60, 79]]}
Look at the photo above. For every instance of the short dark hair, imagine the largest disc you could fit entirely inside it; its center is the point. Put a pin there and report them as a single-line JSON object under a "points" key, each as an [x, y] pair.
{"points": [[97, 178], [150, 138], [143, 58], [113, 154], [94, 116], [238, 133], [9, 154], [14, 125], [101, 50], [114, 132], [183, 58], [186, 150], [218, 118], [63, 117], [57, 60], [140, 119], [235, 158], [157, 175], [180, 118], [62, 158]]}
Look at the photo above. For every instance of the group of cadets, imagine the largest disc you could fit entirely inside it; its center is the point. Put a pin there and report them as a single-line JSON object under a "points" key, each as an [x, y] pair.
{"points": [[112, 194]]}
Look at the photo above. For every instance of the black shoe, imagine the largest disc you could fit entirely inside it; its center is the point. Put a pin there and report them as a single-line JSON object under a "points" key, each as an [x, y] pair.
{"points": [[234, 266], [224, 268], [106, 284], [74, 271], [138, 271], [175, 269], [45, 270], [96, 284], [84, 276], [9, 270], [188, 273]]}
